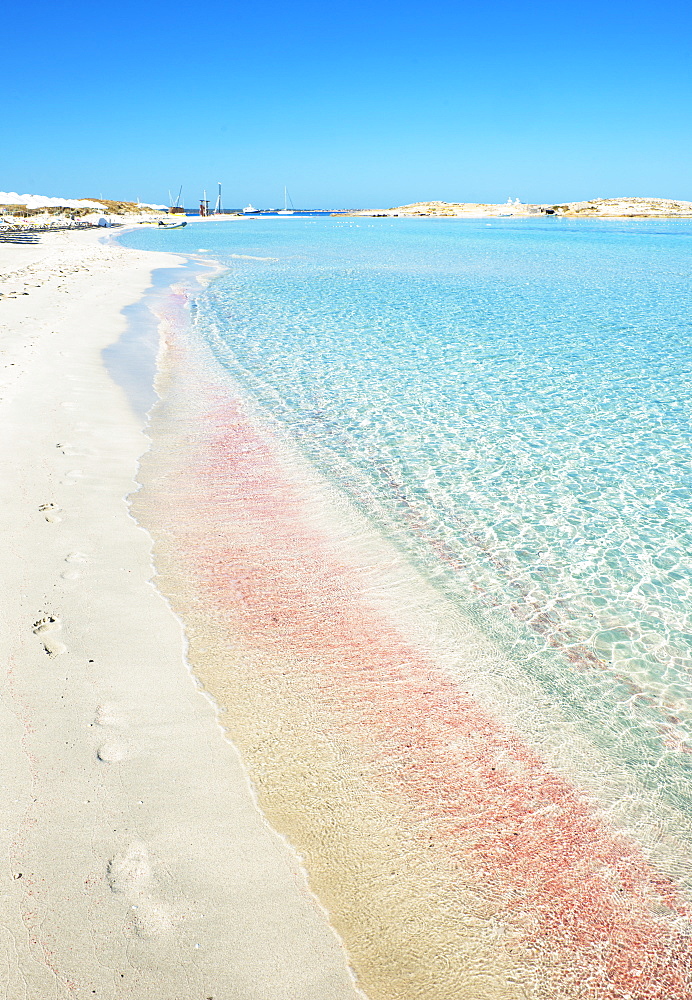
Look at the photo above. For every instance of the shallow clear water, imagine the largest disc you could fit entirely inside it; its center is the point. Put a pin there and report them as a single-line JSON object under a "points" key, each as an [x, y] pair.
{"points": [[509, 401]]}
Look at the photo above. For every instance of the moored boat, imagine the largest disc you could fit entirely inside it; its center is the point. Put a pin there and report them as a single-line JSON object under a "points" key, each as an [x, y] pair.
{"points": [[286, 210]]}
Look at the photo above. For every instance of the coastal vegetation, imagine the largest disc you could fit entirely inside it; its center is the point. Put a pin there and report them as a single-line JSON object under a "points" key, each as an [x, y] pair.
{"points": [[16, 216], [74, 210], [125, 207]]}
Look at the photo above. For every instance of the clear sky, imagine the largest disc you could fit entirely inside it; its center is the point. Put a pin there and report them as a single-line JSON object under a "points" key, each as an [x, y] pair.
{"points": [[374, 103]]}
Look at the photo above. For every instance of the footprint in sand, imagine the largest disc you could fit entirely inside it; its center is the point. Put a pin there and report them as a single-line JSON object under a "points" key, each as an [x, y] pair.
{"points": [[51, 645], [50, 511], [112, 752], [54, 648], [129, 872], [73, 573], [72, 477], [69, 449], [130, 875], [46, 624], [107, 715]]}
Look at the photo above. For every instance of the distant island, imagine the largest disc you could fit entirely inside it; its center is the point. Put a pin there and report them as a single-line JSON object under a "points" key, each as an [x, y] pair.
{"points": [[32, 211], [598, 208]]}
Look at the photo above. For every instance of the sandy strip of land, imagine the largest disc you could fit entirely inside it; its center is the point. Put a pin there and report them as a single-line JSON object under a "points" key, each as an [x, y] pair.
{"points": [[134, 862]]}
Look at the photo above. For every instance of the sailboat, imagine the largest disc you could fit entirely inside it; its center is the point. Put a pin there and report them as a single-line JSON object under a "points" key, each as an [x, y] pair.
{"points": [[286, 210]]}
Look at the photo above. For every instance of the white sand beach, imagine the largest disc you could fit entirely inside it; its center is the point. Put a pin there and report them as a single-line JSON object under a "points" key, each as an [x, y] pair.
{"points": [[135, 862]]}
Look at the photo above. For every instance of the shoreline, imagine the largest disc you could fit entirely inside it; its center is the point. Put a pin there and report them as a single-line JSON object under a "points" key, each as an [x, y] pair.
{"points": [[136, 862], [376, 761]]}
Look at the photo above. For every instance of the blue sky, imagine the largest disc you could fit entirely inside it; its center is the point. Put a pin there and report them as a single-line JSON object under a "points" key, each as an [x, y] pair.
{"points": [[371, 104]]}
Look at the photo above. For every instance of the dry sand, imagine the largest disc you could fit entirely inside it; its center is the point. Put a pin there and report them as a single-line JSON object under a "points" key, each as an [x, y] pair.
{"points": [[134, 861]]}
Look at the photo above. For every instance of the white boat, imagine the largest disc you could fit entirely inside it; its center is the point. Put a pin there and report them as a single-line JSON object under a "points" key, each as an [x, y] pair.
{"points": [[250, 210], [286, 210]]}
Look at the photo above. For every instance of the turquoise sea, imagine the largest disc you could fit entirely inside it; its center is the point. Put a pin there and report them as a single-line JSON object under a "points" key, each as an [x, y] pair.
{"points": [[509, 401]]}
